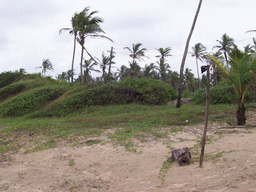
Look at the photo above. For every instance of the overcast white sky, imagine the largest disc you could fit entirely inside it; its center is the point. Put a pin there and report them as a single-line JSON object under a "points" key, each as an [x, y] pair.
{"points": [[29, 29]]}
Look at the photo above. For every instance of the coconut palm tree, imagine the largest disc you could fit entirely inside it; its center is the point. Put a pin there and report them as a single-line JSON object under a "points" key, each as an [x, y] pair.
{"points": [[163, 66], [122, 72], [240, 74], [226, 45], [134, 71], [88, 26], [149, 71], [72, 31], [89, 67], [185, 55], [63, 76], [136, 52], [248, 49], [216, 72], [104, 62], [199, 51], [46, 65], [111, 57]]}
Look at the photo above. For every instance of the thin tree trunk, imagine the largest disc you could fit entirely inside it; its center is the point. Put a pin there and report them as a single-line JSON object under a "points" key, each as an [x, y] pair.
{"points": [[185, 55], [81, 66], [206, 117], [226, 58], [198, 73], [73, 59], [110, 62], [240, 114]]}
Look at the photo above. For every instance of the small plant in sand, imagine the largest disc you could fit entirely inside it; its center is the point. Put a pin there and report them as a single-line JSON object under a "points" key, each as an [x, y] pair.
{"points": [[71, 162]]}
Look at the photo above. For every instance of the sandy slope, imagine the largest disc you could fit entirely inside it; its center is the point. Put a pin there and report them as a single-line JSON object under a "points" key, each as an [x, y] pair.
{"points": [[230, 167]]}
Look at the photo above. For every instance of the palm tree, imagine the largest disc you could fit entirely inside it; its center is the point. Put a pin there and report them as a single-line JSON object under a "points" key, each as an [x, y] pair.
{"points": [[216, 72], [111, 57], [46, 65], [122, 72], [198, 52], [240, 75], [190, 82], [88, 26], [185, 55], [248, 49], [149, 71], [89, 67], [134, 71], [104, 62], [136, 52], [63, 76], [163, 66], [226, 45], [72, 31], [70, 75]]}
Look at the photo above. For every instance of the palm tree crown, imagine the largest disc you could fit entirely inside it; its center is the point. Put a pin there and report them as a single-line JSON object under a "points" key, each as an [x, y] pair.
{"points": [[46, 65], [163, 66], [199, 52], [226, 45], [136, 52]]}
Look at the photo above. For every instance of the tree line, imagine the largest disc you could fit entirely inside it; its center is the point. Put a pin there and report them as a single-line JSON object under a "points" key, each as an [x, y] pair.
{"points": [[226, 62]]}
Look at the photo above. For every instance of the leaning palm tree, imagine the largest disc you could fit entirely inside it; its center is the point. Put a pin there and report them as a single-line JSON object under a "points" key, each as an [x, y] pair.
{"points": [[163, 66], [72, 31], [226, 45], [199, 51], [136, 52], [185, 55], [46, 65], [88, 26], [240, 75]]}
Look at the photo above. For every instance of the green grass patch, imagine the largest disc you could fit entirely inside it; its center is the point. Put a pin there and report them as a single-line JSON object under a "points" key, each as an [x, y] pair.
{"points": [[128, 121]]}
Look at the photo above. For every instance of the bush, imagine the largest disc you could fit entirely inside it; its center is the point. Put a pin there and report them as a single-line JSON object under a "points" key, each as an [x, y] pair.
{"points": [[30, 101], [221, 94], [146, 91], [18, 87], [6, 78], [149, 91]]}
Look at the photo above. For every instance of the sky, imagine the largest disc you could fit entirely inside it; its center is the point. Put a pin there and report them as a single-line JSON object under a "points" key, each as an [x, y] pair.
{"points": [[29, 30]]}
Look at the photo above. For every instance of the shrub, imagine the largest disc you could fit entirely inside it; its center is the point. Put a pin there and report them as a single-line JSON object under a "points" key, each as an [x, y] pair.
{"points": [[6, 78], [221, 94], [30, 101], [149, 91], [18, 87], [146, 91]]}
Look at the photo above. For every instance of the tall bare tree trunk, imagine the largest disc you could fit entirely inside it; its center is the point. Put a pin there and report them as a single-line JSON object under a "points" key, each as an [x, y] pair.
{"points": [[81, 66], [73, 59], [185, 55], [110, 62], [198, 73], [206, 117]]}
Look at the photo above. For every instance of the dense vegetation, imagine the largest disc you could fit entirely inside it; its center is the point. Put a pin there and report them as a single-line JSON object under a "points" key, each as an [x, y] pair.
{"points": [[39, 96]]}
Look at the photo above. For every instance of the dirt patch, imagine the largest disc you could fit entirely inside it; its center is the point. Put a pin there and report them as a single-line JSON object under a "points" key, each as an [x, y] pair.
{"points": [[229, 164]]}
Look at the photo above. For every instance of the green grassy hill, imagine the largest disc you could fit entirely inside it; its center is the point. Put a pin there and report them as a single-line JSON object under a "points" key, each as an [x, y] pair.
{"points": [[34, 96]]}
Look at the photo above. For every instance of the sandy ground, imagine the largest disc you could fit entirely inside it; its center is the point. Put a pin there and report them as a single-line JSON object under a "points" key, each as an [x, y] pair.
{"points": [[230, 166]]}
